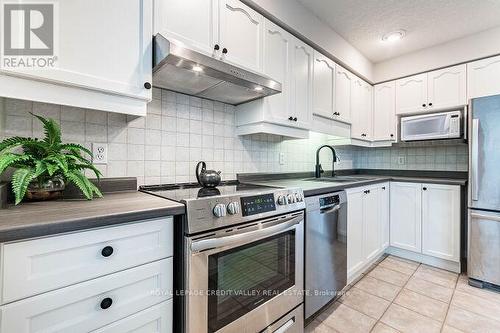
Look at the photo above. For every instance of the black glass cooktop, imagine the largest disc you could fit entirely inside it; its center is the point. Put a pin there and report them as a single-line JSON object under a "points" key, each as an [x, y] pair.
{"points": [[187, 191]]}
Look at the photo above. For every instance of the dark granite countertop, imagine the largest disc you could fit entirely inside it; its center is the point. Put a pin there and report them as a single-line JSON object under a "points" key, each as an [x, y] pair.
{"points": [[52, 217], [316, 187]]}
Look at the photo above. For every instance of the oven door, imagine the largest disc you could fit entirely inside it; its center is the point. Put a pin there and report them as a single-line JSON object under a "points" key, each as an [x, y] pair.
{"points": [[428, 127], [243, 279]]}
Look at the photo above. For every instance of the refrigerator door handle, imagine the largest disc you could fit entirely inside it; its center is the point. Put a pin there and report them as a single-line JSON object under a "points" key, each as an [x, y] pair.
{"points": [[475, 159]]}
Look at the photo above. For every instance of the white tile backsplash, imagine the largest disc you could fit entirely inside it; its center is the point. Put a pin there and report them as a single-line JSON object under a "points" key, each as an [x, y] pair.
{"points": [[180, 130]]}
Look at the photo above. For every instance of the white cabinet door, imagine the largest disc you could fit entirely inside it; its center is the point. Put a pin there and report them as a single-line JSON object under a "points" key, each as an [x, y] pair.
{"points": [[343, 93], [371, 223], [323, 86], [441, 221], [241, 31], [406, 212], [277, 48], [384, 111], [446, 87], [192, 22], [383, 213], [361, 110], [483, 77], [301, 84], [104, 46], [355, 258], [411, 94]]}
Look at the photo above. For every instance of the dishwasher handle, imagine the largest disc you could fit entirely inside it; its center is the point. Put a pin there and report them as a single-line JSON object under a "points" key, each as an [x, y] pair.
{"points": [[330, 209]]}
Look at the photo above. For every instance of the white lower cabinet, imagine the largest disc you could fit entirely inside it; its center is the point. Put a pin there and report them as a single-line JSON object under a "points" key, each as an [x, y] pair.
{"points": [[406, 216], [112, 279], [367, 222], [441, 221], [425, 219]]}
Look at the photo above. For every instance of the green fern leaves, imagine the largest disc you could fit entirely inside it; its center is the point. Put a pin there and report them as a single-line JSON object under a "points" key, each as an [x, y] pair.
{"points": [[42, 160]]}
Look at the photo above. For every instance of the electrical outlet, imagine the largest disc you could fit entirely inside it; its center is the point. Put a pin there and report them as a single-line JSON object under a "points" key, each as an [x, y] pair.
{"points": [[282, 158], [401, 160], [100, 152]]}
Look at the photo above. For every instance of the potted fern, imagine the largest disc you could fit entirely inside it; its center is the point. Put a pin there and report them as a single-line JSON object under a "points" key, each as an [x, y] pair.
{"points": [[44, 167]]}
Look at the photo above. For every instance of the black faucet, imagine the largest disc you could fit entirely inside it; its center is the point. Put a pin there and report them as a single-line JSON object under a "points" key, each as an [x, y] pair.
{"points": [[319, 169]]}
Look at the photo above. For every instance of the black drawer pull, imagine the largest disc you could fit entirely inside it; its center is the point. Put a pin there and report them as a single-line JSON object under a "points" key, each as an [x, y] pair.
{"points": [[295, 119], [147, 85], [424, 188], [107, 251], [106, 303], [290, 118]]}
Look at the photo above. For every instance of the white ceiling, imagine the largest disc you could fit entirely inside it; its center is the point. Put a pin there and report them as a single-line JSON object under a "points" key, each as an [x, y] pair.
{"points": [[427, 22]]}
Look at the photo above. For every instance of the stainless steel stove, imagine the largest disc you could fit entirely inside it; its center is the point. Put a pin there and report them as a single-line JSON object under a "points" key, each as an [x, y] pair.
{"points": [[243, 251]]}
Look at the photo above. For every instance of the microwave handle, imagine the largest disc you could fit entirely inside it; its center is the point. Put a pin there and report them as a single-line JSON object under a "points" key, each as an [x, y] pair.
{"points": [[213, 243]]}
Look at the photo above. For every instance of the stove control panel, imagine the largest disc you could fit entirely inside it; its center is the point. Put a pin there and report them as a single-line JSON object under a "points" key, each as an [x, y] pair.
{"points": [[258, 204]]}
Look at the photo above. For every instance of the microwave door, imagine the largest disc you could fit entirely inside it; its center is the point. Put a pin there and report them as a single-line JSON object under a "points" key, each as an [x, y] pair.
{"points": [[425, 128], [485, 154]]}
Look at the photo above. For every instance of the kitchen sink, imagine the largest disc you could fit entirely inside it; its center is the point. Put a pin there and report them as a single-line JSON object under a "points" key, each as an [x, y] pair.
{"points": [[339, 179]]}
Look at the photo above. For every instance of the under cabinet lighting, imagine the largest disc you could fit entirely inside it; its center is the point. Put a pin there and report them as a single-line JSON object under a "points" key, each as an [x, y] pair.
{"points": [[197, 68]]}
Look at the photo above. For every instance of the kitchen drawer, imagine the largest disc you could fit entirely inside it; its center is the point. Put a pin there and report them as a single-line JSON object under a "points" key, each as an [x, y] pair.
{"points": [[81, 308], [157, 319], [40, 265]]}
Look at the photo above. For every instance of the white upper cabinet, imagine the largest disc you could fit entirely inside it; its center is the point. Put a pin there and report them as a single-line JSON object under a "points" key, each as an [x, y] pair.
{"points": [[406, 216], [277, 48], [441, 221], [384, 111], [192, 22], [301, 84], [241, 31], [323, 86], [290, 62], [361, 109], [446, 87], [104, 58], [411, 94], [343, 93], [483, 77], [437, 90]]}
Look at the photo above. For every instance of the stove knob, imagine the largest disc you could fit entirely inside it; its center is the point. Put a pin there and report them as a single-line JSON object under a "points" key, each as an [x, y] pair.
{"points": [[220, 210], [281, 200], [291, 198], [298, 197], [233, 208]]}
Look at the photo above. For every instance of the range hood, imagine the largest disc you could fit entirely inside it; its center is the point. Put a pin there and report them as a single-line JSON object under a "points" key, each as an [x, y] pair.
{"points": [[183, 70]]}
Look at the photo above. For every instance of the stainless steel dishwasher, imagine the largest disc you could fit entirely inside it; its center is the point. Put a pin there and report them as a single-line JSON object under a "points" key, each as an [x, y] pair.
{"points": [[326, 249]]}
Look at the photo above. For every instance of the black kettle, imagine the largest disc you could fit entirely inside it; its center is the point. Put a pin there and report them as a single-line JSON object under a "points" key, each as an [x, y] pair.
{"points": [[207, 178]]}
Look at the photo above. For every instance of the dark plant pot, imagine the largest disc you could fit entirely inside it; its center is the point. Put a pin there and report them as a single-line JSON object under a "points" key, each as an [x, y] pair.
{"points": [[51, 189]]}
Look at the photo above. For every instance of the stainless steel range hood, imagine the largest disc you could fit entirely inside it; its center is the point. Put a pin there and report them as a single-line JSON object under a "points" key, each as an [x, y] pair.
{"points": [[183, 70]]}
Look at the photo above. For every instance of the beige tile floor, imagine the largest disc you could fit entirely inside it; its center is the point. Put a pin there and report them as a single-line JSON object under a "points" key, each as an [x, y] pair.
{"points": [[399, 295]]}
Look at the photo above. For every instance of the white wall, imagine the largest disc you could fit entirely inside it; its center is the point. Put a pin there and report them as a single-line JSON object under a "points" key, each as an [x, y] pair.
{"points": [[480, 45], [300, 19]]}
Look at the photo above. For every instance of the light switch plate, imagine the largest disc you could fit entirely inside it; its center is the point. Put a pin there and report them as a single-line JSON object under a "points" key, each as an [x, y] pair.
{"points": [[100, 153], [282, 158]]}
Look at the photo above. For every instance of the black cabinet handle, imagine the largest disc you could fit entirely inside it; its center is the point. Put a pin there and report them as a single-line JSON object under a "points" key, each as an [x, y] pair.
{"points": [[147, 85], [430, 104], [290, 118], [336, 114], [224, 50], [424, 105], [216, 47], [392, 135], [367, 191], [383, 187], [424, 188], [107, 251], [295, 119], [106, 303], [363, 134]]}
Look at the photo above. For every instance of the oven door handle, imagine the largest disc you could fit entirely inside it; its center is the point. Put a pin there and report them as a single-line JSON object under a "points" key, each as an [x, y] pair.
{"points": [[213, 243]]}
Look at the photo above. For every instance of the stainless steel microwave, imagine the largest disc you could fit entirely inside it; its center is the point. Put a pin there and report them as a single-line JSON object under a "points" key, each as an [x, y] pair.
{"points": [[443, 125]]}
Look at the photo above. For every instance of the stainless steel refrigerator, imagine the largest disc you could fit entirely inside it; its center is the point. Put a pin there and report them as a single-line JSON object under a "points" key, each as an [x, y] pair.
{"points": [[484, 192]]}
